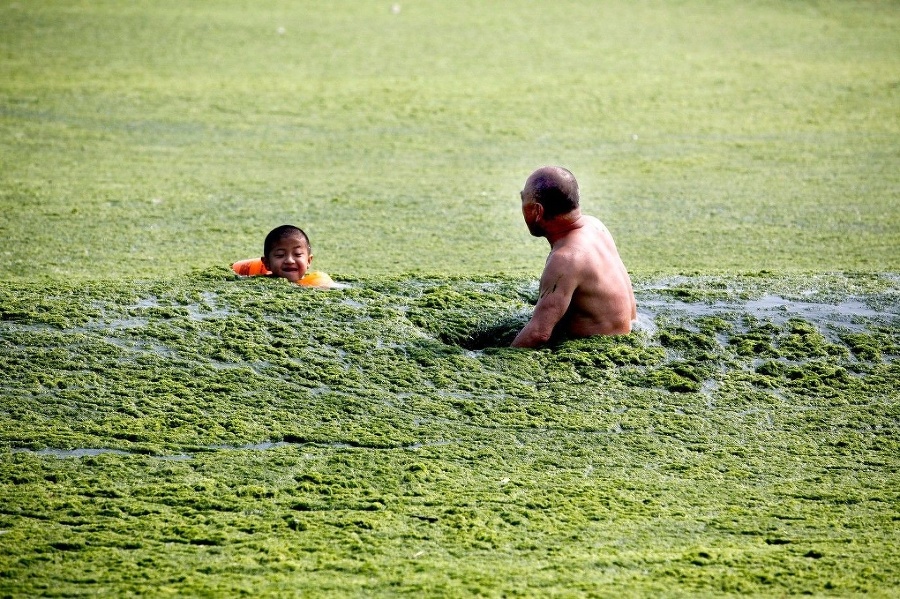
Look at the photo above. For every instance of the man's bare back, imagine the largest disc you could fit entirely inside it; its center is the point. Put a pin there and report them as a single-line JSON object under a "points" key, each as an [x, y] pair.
{"points": [[585, 289], [602, 302]]}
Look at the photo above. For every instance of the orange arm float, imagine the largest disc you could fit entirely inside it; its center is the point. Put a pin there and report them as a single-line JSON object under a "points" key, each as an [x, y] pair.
{"points": [[250, 267], [316, 279]]}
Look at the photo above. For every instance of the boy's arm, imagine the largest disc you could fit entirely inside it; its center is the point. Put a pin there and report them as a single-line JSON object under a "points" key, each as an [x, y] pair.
{"points": [[558, 284]]}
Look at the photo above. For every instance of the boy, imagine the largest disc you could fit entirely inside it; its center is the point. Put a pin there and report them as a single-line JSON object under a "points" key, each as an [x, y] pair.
{"points": [[286, 254]]}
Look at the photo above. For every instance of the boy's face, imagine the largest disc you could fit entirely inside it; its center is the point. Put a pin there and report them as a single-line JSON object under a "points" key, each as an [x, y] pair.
{"points": [[290, 258]]}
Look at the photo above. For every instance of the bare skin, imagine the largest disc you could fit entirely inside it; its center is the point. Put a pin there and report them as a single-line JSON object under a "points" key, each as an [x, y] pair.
{"points": [[585, 289]]}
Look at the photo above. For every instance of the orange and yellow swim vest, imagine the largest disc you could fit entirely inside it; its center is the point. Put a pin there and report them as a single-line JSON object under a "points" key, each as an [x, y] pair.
{"points": [[253, 267]]}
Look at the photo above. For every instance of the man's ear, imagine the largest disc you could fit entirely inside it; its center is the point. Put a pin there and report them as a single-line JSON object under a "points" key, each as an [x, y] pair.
{"points": [[265, 262], [309, 260], [538, 210]]}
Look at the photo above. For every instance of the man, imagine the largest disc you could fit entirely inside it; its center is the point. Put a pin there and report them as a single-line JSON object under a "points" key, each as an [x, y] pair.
{"points": [[585, 289]]}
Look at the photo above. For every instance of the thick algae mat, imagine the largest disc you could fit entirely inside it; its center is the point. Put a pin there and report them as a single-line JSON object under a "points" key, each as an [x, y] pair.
{"points": [[217, 435]]}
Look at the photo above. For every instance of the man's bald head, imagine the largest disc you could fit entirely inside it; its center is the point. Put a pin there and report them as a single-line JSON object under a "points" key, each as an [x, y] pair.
{"points": [[554, 188]]}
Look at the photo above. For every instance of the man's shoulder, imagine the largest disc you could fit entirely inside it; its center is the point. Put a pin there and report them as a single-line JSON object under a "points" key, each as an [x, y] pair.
{"points": [[595, 223], [576, 245], [569, 259]]}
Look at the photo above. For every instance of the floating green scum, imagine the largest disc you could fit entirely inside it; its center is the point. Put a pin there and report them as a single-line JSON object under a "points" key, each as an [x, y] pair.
{"points": [[169, 428], [225, 435]]}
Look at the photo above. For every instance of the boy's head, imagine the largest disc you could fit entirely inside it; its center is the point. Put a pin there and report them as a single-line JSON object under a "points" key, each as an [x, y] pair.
{"points": [[287, 253]]}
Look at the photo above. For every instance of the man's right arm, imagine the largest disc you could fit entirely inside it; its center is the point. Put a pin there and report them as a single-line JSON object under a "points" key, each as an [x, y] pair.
{"points": [[558, 284]]}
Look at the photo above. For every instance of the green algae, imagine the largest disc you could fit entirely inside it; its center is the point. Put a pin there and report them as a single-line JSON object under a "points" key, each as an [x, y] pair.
{"points": [[251, 435], [214, 436], [156, 138]]}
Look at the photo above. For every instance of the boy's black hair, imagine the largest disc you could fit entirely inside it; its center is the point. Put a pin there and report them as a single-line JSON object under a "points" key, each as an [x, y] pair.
{"points": [[279, 233]]}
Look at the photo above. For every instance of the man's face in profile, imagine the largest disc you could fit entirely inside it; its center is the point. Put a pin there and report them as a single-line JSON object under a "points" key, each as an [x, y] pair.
{"points": [[531, 213]]}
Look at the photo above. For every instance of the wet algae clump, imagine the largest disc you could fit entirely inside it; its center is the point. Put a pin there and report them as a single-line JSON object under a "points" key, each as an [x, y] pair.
{"points": [[217, 435]]}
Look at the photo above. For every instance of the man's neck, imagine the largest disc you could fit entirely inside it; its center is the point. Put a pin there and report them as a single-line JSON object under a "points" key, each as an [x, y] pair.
{"points": [[560, 227]]}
